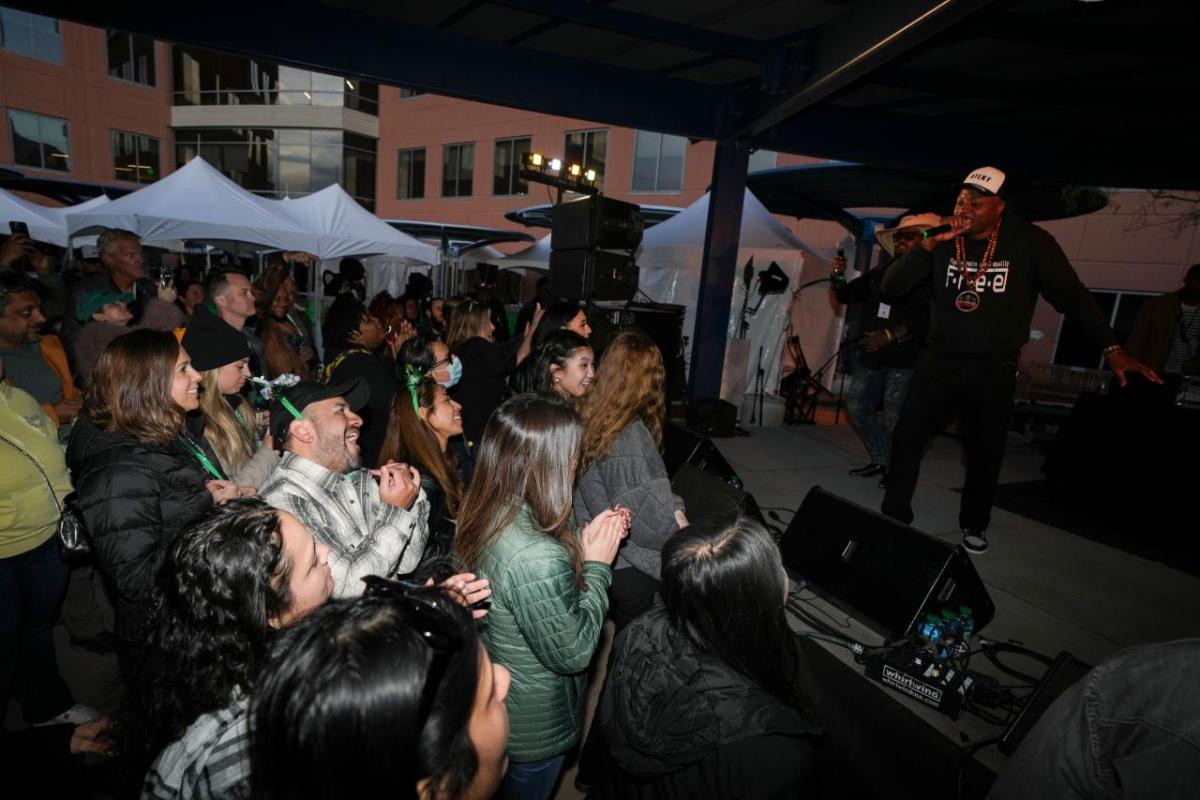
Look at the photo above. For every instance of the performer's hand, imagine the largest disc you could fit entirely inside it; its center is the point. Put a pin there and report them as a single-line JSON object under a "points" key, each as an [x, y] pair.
{"points": [[958, 224], [839, 265], [1121, 362], [875, 340]]}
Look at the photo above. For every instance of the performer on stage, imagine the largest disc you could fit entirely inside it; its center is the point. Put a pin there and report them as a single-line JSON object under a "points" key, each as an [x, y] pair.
{"points": [[893, 337], [986, 273]]}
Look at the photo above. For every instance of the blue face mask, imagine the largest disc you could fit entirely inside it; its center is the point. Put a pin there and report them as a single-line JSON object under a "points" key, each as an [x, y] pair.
{"points": [[455, 373]]}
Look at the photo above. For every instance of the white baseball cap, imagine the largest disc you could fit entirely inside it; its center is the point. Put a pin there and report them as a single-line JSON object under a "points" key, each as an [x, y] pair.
{"points": [[985, 180]]}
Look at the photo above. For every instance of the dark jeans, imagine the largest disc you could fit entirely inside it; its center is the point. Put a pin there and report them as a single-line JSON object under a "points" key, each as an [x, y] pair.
{"points": [[630, 595], [530, 780], [982, 391], [1129, 728], [32, 585], [871, 388]]}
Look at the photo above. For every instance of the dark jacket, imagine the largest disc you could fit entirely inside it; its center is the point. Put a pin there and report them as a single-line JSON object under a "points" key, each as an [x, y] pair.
{"points": [[678, 723], [486, 366], [134, 498], [879, 312], [1027, 262], [1154, 332], [380, 375], [632, 475], [440, 544]]}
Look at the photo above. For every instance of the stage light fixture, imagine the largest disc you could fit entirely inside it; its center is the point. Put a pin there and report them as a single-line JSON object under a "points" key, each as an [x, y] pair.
{"points": [[534, 159], [555, 164], [590, 176], [575, 170]]}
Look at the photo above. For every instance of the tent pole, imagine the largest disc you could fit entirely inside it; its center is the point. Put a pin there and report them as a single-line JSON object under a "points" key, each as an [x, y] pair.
{"points": [[718, 267]]}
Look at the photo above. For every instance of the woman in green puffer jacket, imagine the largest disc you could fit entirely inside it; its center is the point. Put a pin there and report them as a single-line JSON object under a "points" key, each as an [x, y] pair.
{"points": [[549, 583]]}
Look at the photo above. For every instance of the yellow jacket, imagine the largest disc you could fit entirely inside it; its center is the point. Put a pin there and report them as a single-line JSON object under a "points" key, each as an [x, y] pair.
{"points": [[28, 512]]}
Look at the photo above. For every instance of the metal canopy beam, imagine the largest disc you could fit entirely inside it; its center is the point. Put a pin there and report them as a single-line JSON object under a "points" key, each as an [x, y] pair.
{"points": [[642, 26], [863, 39], [440, 62], [718, 267]]}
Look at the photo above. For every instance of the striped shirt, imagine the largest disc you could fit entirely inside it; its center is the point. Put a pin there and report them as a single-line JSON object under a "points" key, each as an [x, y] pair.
{"points": [[211, 761]]}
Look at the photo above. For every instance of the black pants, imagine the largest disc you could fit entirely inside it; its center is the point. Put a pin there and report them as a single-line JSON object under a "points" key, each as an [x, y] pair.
{"points": [[630, 595], [982, 391]]}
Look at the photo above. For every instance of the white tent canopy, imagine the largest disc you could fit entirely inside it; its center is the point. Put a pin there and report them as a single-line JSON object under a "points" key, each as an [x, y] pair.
{"points": [[536, 256], [197, 202], [345, 228], [43, 225], [671, 256]]}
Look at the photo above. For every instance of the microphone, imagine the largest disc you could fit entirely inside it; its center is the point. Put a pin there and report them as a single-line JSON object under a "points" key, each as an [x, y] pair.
{"points": [[935, 230]]}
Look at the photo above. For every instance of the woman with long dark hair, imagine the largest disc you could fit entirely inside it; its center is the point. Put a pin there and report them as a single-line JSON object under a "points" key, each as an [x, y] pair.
{"points": [[392, 690], [141, 477], [548, 580], [716, 661], [568, 315], [562, 364], [423, 420], [621, 464], [226, 585], [486, 364]]}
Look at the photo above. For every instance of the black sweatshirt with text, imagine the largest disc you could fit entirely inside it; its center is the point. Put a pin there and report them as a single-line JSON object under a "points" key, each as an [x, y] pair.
{"points": [[1027, 262]]}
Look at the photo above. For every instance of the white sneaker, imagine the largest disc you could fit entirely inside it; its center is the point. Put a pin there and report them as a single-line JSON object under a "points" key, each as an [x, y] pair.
{"points": [[75, 715]]}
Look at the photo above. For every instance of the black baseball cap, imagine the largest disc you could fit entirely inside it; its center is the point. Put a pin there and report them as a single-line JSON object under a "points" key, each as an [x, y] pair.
{"points": [[306, 393]]}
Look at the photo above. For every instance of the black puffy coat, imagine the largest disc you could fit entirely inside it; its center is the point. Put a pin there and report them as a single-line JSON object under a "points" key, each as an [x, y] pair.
{"points": [[678, 723], [134, 498]]}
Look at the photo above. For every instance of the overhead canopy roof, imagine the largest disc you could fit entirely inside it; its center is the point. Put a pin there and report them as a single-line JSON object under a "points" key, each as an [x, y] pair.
{"points": [[542, 216], [825, 191], [1061, 90]]}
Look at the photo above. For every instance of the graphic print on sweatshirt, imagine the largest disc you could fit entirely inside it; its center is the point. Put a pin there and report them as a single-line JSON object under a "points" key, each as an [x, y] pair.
{"points": [[994, 280]]}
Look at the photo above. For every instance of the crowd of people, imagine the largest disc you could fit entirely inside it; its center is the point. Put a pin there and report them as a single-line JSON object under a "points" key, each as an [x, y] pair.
{"points": [[389, 561], [388, 558]]}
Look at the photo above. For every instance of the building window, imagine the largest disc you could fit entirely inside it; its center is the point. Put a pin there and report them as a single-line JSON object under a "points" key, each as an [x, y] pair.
{"points": [[458, 169], [39, 141], [510, 156], [207, 78], [410, 174], [131, 57], [278, 162], [658, 162], [762, 159], [31, 35], [1076, 347], [588, 149], [135, 157]]}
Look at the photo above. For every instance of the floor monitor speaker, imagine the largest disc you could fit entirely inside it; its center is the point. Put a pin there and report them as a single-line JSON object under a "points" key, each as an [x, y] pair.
{"points": [[883, 573]]}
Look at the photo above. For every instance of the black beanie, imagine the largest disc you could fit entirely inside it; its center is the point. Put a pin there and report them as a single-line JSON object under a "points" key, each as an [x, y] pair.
{"points": [[214, 343]]}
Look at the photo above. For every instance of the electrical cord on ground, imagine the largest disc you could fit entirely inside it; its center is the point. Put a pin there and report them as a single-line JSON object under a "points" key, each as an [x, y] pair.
{"points": [[991, 650]]}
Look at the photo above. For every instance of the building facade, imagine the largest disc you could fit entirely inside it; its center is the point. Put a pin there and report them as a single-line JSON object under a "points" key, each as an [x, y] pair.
{"points": [[117, 109]]}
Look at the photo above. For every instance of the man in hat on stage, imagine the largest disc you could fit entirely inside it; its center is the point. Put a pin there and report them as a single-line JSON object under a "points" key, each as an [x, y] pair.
{"points": [[986, 272], [893, 337]]}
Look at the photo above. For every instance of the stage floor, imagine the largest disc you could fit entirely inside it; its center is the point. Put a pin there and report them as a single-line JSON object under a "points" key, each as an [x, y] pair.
{"points": [[1053, 590]]}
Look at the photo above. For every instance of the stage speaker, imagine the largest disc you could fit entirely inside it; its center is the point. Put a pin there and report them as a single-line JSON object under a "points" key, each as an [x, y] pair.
{"points": [[713, 417], [684, 446], [596, 222], [711, 500], [592, 275], [883, 573], [662, 322]]}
